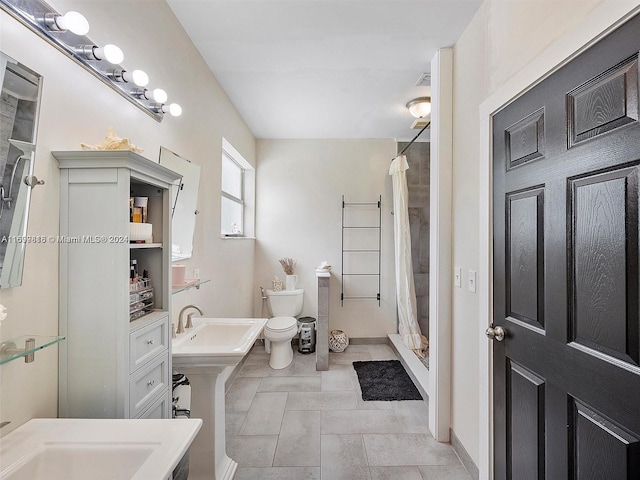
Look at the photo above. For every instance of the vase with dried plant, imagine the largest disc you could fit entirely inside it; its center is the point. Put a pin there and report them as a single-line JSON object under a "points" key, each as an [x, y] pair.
{"points": [[289, 266]]}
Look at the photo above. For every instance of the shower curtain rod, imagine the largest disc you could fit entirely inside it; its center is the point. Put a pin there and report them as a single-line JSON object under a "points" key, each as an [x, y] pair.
{"points": [[413, 140]]}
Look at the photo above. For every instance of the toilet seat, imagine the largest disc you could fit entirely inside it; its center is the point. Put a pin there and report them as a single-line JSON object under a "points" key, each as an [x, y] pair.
{"points": [[279, 324], [279, 331]]}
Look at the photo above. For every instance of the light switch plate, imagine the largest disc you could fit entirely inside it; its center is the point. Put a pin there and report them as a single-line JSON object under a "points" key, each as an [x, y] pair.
{"points": [[472, 281], [457, 277]]}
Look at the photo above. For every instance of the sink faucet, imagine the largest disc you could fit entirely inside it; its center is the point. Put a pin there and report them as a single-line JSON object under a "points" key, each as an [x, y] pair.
{"points": [[181, 326]]}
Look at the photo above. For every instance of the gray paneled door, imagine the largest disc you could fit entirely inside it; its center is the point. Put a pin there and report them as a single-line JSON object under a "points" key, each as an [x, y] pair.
{"points": [[566, 277]]}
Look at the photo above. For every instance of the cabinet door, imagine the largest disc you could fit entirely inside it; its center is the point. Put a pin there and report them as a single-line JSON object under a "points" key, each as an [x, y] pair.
{"points": [[147, 342], [159, 409], [147, 383]]}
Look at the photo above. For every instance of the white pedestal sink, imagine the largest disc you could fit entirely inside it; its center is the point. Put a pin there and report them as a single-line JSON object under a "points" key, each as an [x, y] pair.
{"points": [[202, 354]]}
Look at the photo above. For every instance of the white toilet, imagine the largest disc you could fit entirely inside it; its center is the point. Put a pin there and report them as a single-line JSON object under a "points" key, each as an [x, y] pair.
{"points": [[285, 306]]}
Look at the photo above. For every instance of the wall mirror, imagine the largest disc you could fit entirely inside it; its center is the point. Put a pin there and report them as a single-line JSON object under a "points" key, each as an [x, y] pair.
{"points": [[19, 104], [185, 203]]}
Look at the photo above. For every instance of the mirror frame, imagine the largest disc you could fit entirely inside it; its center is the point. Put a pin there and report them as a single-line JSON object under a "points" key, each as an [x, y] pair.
{"points": [[15, 252], [166, 155]]}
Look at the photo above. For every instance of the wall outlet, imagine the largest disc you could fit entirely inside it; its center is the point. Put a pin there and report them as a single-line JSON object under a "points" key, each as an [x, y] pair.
{"points": [[472, 281], [196, 273], [457, 277]]}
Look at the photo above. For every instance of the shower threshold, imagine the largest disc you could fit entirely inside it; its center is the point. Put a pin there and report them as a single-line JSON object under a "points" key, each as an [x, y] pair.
{"points": [[417, 370]]}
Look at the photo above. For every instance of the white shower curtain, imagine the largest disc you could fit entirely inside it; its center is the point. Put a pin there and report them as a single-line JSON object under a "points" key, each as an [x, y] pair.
{"points": [[405, 289]]}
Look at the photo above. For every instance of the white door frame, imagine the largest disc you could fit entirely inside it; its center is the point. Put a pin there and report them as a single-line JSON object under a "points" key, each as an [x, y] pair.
{"points": [[603, 19], [441, 244]]}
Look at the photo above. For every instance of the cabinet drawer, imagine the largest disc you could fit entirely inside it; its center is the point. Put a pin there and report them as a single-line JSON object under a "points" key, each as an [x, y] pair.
{"points": [[159, 408], [147, 342], [147, 383]]}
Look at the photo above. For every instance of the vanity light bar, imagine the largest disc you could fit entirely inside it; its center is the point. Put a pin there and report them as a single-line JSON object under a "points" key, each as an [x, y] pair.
{"points": [[67, 33]]}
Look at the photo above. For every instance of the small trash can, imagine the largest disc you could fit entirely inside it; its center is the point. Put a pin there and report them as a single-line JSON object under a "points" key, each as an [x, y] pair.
{"points": [[307, 331]]}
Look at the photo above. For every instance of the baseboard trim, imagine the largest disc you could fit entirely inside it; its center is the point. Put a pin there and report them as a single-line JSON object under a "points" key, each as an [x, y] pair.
{"points": [[232, 372], [465, 458], [368, 341]]}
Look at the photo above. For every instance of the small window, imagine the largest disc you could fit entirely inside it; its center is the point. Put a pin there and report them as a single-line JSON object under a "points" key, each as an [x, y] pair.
{"points": [[237, 194]]}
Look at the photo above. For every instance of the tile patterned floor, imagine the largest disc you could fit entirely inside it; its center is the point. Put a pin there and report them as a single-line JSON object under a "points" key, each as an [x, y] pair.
{"points": [[299, 424]]}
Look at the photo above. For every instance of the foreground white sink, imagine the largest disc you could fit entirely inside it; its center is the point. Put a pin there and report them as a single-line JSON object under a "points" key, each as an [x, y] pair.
{"points": [[77, 461], [202, 354], [216, 341], [79, 449]]}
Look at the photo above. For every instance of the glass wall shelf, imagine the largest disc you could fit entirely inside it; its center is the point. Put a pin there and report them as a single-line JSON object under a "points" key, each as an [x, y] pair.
{"points": [[25, 346], [194, 283]]}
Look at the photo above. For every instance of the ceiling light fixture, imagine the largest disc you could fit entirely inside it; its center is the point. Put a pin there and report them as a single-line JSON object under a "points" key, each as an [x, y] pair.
{"points": [[72, 21], [420, 107], [68, 32]]}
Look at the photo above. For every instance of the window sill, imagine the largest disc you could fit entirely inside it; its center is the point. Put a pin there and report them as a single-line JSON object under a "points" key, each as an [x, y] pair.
{"points": [[224, 237]]}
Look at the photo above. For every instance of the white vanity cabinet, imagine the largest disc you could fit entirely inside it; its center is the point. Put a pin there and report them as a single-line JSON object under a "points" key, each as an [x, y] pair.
{"points": [[111, 367]]}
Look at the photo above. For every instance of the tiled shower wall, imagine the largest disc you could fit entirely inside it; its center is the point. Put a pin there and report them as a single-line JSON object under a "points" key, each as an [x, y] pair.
{"points": [[418, 157], [8, 106]]}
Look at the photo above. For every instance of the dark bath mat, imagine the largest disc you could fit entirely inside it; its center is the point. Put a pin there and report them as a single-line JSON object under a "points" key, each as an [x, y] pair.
{"points": [[385, 380]]}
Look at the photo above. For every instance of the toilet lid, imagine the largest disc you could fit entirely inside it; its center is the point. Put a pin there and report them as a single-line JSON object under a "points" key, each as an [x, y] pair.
{"points": [[281, 323]]}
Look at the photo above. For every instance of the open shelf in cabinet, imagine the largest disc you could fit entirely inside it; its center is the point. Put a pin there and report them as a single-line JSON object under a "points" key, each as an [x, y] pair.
{"points": [[137, 246]]}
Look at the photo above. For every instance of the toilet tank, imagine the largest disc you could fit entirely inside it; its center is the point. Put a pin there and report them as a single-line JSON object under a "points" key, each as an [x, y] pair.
{"points": [[285, 303]]}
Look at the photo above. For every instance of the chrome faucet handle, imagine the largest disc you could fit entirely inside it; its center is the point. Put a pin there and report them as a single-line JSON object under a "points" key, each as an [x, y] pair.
{"points": [[173, 331]]}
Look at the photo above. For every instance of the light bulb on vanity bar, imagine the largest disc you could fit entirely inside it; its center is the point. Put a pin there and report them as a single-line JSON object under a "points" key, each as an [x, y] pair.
{"points": [[72, 21], [140, 78], [174, 109], [111, 53], [157, 94]]}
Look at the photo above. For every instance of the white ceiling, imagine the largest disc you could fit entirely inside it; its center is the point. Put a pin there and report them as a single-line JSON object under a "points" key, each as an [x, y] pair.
{"points": [[323, 68]]}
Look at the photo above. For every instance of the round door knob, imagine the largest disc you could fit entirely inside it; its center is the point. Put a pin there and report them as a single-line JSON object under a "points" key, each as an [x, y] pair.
{"points": [[150, 383], [150, 342], [495, 333]]}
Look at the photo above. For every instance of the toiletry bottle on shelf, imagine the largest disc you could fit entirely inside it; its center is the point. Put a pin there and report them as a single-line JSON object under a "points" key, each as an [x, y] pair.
{"points": [[137, 215], [140, 209], [134, 268]]}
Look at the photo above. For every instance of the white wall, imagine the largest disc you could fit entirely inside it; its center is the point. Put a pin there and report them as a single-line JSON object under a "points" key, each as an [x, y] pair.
{"points": [[77, 107], [300, 184], [500, 44]]}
